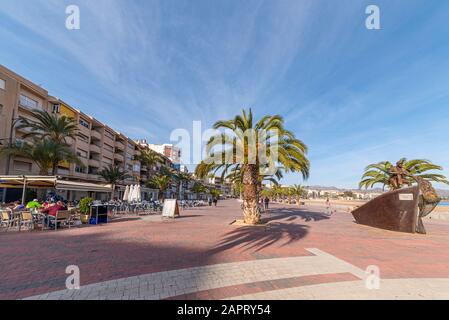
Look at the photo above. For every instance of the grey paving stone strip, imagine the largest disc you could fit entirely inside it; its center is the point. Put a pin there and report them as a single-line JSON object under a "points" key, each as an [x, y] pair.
{"points": [[167, 284], [389, 289]]}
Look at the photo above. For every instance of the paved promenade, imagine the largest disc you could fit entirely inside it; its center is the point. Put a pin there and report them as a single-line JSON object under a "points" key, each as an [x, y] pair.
{"points": [[302, 254]]}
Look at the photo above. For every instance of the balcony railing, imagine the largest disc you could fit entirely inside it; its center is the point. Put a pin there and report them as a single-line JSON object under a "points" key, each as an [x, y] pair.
{"points": [[95, 134], [94, 148], [119, 157], [120, 145], [94, 163]]}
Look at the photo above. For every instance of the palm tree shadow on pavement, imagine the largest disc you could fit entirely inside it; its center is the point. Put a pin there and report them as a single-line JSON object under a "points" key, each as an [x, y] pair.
{"points": [[258, 238], [293, 214]]}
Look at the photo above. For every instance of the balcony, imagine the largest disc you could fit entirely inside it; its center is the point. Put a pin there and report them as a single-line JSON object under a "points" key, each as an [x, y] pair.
{"points": [[95, 135], [94, 148], [94, 163], [119, 157], [119, 145]]}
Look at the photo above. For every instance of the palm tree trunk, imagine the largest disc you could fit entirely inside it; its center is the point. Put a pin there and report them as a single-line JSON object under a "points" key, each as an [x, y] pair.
{"points": [[53, 169], [251, 212], [113, 191]]}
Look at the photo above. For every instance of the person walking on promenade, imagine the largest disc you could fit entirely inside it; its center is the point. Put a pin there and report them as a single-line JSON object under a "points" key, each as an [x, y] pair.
{"points": [[266, 202], [328, 207]]}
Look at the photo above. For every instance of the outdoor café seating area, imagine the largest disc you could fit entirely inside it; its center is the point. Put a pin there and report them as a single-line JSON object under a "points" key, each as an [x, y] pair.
{"points": [[22, 219], [55, 213]]}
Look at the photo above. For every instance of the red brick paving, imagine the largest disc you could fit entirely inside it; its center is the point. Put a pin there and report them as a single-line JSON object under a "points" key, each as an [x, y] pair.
{"points": [[34, 262]]}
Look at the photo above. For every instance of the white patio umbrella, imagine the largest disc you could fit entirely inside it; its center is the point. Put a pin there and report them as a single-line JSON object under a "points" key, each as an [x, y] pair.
{"points": [[134, 195], [138, 194], [126, 194], [131, 193]]}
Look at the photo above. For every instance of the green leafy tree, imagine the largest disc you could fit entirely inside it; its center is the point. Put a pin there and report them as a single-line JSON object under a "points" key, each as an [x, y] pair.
{"points": [[237, 152]]}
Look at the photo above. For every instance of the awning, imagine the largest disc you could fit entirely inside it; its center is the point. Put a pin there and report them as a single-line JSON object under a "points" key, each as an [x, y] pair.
{"points": [[31, 181], [51, 182], [82, 186]]}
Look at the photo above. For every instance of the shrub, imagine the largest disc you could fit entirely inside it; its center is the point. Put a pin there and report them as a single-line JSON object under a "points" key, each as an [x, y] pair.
{"points": [[84, 205]]}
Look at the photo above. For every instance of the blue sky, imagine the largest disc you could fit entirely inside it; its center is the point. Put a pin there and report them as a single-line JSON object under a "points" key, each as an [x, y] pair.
{"points": [[355, 96]]}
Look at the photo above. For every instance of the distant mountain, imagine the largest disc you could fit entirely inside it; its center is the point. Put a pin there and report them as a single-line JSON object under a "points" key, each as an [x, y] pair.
{"points": [[441, 192], [324, 188]]}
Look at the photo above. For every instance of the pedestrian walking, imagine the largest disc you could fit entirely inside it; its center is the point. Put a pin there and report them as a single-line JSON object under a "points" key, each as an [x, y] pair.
{"points": [[266, 202]]}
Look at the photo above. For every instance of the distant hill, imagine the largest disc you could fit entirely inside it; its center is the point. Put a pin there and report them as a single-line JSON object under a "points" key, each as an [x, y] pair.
{"points": [[441, 192]]}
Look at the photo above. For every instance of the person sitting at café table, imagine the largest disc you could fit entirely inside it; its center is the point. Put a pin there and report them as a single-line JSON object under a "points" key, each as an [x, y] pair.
{"points": [[33, 204], [16, 206], [52, 210]]}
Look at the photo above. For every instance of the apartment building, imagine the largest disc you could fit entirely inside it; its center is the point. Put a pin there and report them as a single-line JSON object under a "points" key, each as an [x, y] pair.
{"points": [[170, 151], [97, 145]]}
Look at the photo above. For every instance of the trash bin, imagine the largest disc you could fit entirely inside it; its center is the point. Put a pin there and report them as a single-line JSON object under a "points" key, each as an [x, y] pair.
{"points": [[98, 214]]}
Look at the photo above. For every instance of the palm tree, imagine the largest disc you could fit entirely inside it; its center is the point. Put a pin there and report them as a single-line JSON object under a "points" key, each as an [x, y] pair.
{"points": [[198, 188], [277, 192], [49, 125], [238, 152], [113, 175], [379, 173], [150, 158], [180, 177], [215, 193], [160, 182], [46, 153], [298, 191]]}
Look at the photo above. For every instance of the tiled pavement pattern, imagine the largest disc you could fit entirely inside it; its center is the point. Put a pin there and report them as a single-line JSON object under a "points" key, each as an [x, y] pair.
{"points": [[390, 289], [33, 263], [167, 284]]}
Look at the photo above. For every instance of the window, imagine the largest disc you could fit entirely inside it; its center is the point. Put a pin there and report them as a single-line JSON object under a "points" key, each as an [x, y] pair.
{"points": [[2, 84], [82, 153], [109, 147], [84, 123], [92, 170], [22, 166], [79, 169], [28, 102], [1, 109], [56, 108]]}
